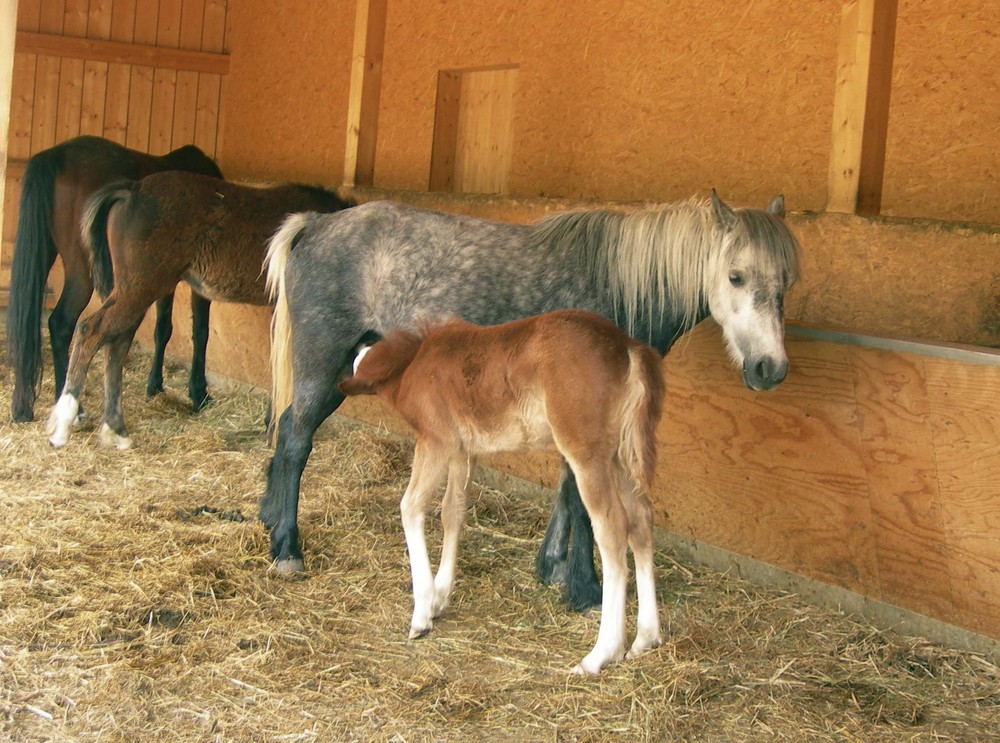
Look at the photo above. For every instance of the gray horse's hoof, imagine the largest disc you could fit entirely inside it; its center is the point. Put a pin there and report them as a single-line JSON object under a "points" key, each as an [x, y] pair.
{"points": [[292, 568]]}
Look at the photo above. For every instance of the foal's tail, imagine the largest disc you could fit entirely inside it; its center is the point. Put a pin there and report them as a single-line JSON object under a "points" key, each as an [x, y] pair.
{"points": [[641, 409], [275, 261], [94, 231], [34, 252]]}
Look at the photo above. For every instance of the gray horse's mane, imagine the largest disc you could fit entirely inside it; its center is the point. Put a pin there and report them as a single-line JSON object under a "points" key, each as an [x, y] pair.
{"points": [[658, 259]]}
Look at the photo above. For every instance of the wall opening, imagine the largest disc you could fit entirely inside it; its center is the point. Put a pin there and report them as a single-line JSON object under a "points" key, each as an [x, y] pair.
{"points": [[473, 130]]}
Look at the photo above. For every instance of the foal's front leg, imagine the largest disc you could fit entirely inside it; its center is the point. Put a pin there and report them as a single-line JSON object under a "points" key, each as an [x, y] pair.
{"points": [[428, 467]]}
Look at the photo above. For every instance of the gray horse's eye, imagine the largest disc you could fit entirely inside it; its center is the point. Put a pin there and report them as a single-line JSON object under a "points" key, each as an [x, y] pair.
{"points": [[736, 279]]}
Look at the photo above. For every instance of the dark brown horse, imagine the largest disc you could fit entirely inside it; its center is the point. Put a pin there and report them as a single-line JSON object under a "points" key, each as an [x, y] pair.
{"points": [[57, 183], [147, 236]]}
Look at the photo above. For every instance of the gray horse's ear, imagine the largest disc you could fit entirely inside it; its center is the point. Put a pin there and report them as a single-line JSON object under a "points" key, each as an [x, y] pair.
{"points": [[724, 215], [777, 206]]}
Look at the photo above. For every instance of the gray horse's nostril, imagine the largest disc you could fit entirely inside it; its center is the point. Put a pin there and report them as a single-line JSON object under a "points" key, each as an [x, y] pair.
{"points": [[766, 374]]}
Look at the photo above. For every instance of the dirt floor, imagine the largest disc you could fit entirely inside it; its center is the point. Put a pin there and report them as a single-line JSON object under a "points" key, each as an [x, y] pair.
{"points": [[136, 604]]}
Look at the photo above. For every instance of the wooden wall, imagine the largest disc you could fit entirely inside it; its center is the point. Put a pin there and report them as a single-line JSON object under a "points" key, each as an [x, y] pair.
{"points": [[146, 73]]}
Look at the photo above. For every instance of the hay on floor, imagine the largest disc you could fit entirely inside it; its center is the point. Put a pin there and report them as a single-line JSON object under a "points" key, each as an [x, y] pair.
{"points": [[136, 604]]}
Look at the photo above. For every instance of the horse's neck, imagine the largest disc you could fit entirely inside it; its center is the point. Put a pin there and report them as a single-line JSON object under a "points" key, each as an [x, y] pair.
{"points": [[670, 330]]}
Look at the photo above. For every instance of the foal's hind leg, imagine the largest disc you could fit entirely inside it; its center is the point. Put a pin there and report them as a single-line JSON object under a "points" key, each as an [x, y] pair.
{"points": [[87, 340], [452, 520], [113, 430], [429, 464], [640, 538], [161, 336], [610, 524]]}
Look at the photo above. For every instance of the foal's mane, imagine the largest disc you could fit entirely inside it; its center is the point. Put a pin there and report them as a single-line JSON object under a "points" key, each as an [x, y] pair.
{"points": [[657, 260]]}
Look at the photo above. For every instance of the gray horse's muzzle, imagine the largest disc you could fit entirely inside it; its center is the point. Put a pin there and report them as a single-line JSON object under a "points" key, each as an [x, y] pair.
{"points": [[764, 373]]}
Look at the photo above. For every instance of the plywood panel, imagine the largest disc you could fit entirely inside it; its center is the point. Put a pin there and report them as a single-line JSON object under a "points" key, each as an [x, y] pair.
{"points": [[43, 122], [965, 418], [775, 476], [484, 132], [206, 133], [141, 78], [95, 74], [186, 92], [71, 74], [116, 106], [168, 30], [897, 448], [446, 112]]}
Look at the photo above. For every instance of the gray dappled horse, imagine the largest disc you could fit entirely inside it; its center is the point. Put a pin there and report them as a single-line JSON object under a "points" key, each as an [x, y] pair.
{"points": [[341, 280], [57, 182]]}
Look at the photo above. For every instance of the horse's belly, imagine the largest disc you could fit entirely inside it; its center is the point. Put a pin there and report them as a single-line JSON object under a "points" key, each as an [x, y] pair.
{"points": [[527, 428], [230, 289]]}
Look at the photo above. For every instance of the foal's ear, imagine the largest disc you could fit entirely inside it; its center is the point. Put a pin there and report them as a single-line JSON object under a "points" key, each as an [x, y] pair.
{"points": [[777, 206], [724, 215]]}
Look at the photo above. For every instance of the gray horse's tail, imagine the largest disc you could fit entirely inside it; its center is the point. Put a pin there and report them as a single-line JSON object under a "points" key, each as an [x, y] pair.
{"points": [[94, 231], [275, 262]]}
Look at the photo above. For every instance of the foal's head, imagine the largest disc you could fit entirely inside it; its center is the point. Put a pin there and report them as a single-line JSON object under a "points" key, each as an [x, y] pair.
{"points": [[382, 364], [755, 264]]}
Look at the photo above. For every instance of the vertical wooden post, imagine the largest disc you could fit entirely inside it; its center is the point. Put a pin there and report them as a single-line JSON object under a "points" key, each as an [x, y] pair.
{"points": [[861, 106], [8, 29], [366, 86]]}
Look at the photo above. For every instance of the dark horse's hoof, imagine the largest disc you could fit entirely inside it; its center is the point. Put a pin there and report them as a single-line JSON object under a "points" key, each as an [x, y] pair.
{"points": [[292, 568], [21, 416], [583, 597]]}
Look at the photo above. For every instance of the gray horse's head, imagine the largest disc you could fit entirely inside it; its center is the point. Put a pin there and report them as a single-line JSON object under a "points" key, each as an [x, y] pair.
{"points": [[746, 284]]}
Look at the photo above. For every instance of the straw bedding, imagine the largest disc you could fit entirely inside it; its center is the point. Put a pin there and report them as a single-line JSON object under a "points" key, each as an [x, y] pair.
{"points": [[136, 604]]}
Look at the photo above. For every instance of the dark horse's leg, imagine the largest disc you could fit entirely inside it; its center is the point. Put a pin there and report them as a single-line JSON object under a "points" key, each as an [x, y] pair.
{"points": [[197, 385], [280, 504], [569, 517], [76, 292], [161, 336]]}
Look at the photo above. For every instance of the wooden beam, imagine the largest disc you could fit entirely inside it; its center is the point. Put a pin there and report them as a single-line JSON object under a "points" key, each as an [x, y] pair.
{"points": [[366, 87], [861, 106], [101, 50], [8, 22]]}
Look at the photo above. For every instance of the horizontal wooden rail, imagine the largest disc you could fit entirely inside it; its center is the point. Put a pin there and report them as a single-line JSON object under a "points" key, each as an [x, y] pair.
{"points": [[100, 50]]}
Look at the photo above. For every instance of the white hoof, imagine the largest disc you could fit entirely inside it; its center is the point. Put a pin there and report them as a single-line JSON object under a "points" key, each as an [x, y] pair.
{"points": [[61, 420], [643, 644], [110, 438], [417, 632]]}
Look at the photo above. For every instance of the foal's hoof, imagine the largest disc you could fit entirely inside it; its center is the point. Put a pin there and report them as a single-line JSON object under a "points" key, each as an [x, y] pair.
{"points": [[417, 633], [290, 567], [111, 439]]}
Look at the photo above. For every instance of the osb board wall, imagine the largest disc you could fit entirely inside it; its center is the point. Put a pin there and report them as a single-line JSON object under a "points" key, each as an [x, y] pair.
{"points": [[287, 90], [147, 108], [626, 100], [942, 157]]}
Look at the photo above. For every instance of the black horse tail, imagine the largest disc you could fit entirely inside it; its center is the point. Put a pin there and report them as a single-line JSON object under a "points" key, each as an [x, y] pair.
{"points": [[94, 230], [34, 253]]}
